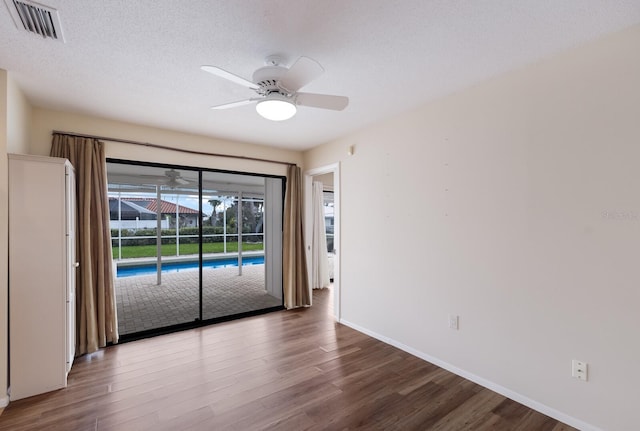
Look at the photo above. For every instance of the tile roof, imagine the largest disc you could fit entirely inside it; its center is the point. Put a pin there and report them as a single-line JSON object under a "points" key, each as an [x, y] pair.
{"points": [[165, 207]]}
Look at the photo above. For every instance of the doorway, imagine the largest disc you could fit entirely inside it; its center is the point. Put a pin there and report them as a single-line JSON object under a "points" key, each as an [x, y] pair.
{"points": [[330, 177]]}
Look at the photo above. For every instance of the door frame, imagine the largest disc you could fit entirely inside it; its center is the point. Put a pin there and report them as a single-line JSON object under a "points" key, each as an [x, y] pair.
{"points": [[308, 187]]}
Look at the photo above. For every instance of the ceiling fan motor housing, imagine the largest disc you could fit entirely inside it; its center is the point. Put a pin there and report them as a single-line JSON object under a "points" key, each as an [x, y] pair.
{"points": [[172, 174], [267, 78]]}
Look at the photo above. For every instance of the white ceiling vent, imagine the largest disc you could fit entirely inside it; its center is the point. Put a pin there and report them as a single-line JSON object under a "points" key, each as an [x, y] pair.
{"points": [[36, 18]]}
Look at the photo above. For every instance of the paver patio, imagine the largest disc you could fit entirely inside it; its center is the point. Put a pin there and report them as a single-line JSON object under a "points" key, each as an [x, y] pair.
{"points": [[144, 305]]}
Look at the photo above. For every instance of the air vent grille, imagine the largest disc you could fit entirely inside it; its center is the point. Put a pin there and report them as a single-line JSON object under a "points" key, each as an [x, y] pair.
{"points": [[36, 18]]}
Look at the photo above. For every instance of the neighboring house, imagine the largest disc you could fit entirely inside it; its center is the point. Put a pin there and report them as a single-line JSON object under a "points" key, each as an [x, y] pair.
{"points": [[141, 211], [124, 209]]}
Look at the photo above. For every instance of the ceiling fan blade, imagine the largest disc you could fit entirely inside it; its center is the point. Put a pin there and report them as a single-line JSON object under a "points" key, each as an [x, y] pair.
{"points": [[151, 180], [234, 104], [324, 101], [302, 72], [156, 178], [229, 76]]}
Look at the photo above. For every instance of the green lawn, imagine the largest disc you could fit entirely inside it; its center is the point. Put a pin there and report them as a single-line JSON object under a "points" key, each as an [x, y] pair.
{"points": [[131, 251]]}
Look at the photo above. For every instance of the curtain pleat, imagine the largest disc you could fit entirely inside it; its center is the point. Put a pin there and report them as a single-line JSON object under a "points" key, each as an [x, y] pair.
{"points": [[295, 281], [96, 322], [319, 254]]}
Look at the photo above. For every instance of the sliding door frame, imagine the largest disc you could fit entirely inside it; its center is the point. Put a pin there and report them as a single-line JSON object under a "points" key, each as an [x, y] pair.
{"points": [[199, 320]]}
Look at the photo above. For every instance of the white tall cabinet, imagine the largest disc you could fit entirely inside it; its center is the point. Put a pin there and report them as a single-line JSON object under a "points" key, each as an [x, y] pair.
{"points": [[41, 274]]}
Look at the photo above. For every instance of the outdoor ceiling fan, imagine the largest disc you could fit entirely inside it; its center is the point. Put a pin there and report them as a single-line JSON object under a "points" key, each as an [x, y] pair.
{"points": [[175, 178], [171, 178], [277, 88]]}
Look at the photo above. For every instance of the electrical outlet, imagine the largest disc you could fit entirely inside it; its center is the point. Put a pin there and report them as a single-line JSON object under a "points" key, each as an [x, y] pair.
{"points": [[579, 370], [453, 321]]}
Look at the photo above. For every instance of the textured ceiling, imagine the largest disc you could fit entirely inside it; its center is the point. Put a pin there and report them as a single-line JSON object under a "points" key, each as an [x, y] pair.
{"points": [[139, 61]]}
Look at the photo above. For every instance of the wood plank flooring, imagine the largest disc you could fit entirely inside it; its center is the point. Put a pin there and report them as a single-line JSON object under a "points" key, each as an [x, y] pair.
{"points": [[288, 370]]}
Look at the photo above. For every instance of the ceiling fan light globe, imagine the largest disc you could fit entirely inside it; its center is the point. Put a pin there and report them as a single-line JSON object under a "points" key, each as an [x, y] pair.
{"points": [[276, 109]]}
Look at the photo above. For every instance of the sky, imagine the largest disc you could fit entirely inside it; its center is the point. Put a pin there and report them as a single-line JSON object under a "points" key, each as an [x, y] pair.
{"points": [[191, 201]]}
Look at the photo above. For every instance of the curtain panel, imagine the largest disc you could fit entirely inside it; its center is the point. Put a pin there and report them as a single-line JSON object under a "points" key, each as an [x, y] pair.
{"points": [[96, 318], [319, 255], [294, 274]]}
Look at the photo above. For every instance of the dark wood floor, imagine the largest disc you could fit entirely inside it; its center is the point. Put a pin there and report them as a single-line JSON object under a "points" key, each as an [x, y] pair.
{"points": [[288, 370]]}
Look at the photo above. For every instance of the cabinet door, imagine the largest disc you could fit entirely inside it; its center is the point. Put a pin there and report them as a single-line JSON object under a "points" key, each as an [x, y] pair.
{"points": [[70, 194]]}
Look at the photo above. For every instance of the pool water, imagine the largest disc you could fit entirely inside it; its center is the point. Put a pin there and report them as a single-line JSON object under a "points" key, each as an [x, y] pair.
{"points": [[132, 271]]}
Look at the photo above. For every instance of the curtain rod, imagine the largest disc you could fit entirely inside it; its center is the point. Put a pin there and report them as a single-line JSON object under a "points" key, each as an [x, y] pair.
{"points": [[164, 147]]}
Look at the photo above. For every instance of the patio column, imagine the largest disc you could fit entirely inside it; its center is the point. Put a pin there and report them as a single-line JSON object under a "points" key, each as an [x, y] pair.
{"points": [[119, 225], [239, 228], [177, 226], [158, 236], [224, 224]]}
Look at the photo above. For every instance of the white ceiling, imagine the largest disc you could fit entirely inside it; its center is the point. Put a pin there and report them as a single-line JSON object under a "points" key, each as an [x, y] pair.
{"points": [[139, 61]]}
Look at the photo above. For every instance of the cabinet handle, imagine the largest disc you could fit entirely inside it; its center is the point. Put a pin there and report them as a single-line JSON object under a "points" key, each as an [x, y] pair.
{"points": [[77, 264]]}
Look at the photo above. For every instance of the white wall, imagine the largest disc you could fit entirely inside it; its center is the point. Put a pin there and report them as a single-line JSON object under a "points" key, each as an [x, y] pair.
{"points": [[18, 119], [516, 205]]}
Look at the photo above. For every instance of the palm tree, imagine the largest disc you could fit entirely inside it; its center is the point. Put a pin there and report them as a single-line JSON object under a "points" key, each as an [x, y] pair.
{"points": [[214, 203]]}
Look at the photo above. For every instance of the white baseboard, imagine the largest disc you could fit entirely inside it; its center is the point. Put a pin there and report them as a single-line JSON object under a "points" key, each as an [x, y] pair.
{"points": [[4, 401], [535, 405]]}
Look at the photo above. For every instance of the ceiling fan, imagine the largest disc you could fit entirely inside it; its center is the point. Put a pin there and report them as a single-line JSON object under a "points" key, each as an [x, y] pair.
{"points": [[171, 178], [277, 88], [175, 178]]}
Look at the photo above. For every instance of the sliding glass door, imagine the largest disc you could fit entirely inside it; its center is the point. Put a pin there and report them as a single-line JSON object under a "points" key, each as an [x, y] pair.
{"points": [[233, 279], [193, 245]]}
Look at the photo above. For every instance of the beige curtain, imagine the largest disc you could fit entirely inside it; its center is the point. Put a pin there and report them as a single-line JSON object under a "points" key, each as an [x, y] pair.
{"points": [[96, 319], [319, 254], [296, 283]]}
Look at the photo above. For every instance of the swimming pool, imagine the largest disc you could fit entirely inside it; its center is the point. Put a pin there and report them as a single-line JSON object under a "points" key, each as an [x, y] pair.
{"points": [[150, 269]]}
